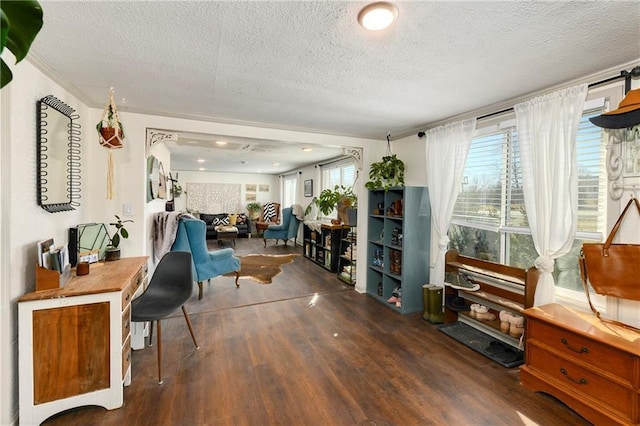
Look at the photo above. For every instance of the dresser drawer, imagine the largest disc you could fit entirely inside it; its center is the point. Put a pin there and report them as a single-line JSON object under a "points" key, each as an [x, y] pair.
{"points": [[577, 379], [577, 347], [126, 357], [127, 295], [139, 278], [126, 323]]}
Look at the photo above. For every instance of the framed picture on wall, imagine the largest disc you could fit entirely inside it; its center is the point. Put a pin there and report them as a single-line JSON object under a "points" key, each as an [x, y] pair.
{"points": [[250, 197], [308, 188], [263, 188], [250, 187]]}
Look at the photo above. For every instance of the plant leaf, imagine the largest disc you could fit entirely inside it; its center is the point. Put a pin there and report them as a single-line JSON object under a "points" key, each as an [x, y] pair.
{"points": [[24, 22], [5, 74], [4, 30]]}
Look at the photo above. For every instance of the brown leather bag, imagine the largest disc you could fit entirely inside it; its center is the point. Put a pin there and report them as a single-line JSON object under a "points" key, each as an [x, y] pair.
{"points": [[612, 269]]}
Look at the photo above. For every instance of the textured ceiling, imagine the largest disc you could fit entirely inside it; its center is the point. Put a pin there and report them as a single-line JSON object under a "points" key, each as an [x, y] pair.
{"points": [[308, 65]]}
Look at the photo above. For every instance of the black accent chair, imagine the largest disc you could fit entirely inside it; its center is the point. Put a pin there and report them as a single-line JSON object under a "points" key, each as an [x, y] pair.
{"points": [[169, 289]]}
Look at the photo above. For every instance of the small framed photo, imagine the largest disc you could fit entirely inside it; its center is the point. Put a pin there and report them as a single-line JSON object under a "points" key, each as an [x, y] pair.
{"points": [[308, 188], [250, 187], [250, 197], [263, 188]]}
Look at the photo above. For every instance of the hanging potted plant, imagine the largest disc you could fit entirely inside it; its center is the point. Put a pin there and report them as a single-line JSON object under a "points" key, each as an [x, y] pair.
{"points": [[112, 251], [386, 174], [110, 129]]}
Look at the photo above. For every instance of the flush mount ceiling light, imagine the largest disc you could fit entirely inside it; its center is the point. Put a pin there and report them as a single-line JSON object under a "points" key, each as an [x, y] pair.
{"points": [[378, 16]]}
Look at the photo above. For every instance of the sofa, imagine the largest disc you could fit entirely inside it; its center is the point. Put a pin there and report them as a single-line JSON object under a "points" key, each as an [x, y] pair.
{"points": [[239, 220]]}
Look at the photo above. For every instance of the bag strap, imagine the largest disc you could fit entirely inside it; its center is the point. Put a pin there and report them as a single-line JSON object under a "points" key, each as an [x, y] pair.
{"points": [[612, 234], [583, 266]]}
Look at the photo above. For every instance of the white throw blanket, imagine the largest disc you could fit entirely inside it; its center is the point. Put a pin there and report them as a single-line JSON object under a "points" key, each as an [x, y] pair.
{"points": [[298, 211], [165, 228]]}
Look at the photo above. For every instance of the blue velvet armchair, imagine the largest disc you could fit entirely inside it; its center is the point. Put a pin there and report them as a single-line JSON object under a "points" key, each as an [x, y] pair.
{"points": [[191, 237], [287, 229]]}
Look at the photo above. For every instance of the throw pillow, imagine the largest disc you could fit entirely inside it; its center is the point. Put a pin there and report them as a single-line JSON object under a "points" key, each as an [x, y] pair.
{"points": [[233, 218], [221, 221], [269, 212], [242, 219]]}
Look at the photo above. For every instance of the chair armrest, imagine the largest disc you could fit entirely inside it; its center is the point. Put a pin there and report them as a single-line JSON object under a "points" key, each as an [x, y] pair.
{"points": [[221, 254], [276, 228]]}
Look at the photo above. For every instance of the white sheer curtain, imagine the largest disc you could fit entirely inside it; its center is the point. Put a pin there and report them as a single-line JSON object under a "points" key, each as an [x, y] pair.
{"points": [[447, 149], [547, 128]]}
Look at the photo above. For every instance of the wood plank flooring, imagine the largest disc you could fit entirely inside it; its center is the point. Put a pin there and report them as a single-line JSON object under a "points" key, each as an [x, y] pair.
{"points": [[269, 357]]}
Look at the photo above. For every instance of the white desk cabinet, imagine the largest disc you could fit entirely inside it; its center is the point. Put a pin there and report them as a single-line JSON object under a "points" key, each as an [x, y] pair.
{"points": [[75, 342]]}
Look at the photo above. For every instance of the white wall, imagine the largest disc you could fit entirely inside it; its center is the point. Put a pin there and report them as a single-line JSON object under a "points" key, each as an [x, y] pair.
{"points": [[186, 177], [23, 222]]}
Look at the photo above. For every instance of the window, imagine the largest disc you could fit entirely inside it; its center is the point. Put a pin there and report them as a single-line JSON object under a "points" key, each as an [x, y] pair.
{"points": [[341, 173], [490, 221], [289, 190]]}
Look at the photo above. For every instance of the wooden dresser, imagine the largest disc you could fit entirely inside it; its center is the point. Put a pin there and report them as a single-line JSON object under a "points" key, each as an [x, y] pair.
{"points": [[591, 366], [74, 342]]}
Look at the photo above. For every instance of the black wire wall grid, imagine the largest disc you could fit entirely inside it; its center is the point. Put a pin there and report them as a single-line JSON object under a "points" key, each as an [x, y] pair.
{"points": [[71, 176]]}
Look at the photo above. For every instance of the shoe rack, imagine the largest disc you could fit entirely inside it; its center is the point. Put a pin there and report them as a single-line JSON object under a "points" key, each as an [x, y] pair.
{"points": [[347, 259], [398, 242], [323, 246], [503, 288]]}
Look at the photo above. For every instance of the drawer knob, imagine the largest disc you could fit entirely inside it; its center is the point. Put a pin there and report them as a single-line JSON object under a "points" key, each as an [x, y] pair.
{"points": [[128, 297], [583, 349], [581, 381]]}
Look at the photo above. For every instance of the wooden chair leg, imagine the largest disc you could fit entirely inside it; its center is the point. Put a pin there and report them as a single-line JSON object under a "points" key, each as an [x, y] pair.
{"points": [[237, 277], [193, 336], [200, 290], [265, 242], [159, 340], [151, 333]]}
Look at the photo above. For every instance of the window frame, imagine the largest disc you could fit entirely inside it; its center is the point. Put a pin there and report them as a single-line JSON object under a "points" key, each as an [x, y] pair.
{"points": [[602, 96]]}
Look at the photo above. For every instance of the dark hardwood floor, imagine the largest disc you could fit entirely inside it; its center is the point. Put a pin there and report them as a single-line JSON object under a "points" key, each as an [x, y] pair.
{"points": [[269, 357]]}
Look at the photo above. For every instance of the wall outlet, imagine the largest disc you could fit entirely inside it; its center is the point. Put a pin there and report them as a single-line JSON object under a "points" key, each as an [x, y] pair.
{"points": [[127, 209]]}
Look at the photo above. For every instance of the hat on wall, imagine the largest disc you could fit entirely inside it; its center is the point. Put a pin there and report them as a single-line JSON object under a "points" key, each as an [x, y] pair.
{"points": [[627, 114]]}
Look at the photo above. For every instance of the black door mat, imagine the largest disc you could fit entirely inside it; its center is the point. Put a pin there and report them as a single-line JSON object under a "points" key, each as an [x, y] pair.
{"points": [[497, 351]]}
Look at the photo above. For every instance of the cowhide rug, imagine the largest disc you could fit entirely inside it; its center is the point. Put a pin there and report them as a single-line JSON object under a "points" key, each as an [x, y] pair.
{"points": [[262, 267]]}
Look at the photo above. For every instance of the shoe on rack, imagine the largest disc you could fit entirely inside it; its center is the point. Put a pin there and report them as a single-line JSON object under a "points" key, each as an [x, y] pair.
{"points": [[461, 282], [504, 321], [392, 299]]}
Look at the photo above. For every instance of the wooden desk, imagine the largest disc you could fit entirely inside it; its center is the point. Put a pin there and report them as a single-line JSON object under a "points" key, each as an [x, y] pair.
{"points": [[74, 342], [591, 366]]}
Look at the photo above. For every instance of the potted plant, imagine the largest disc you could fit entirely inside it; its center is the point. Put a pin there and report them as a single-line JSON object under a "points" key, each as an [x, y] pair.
{"points": [[254, 209], [386, 173], [340, 197], [109, 127], [112, 252]]}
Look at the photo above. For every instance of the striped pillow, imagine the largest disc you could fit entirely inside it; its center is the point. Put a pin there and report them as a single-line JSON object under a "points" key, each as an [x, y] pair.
{"points": [[269, 212]]}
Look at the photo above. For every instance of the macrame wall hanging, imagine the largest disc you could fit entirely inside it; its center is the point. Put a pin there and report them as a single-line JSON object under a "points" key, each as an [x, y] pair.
{"points": [[110, 135]]}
